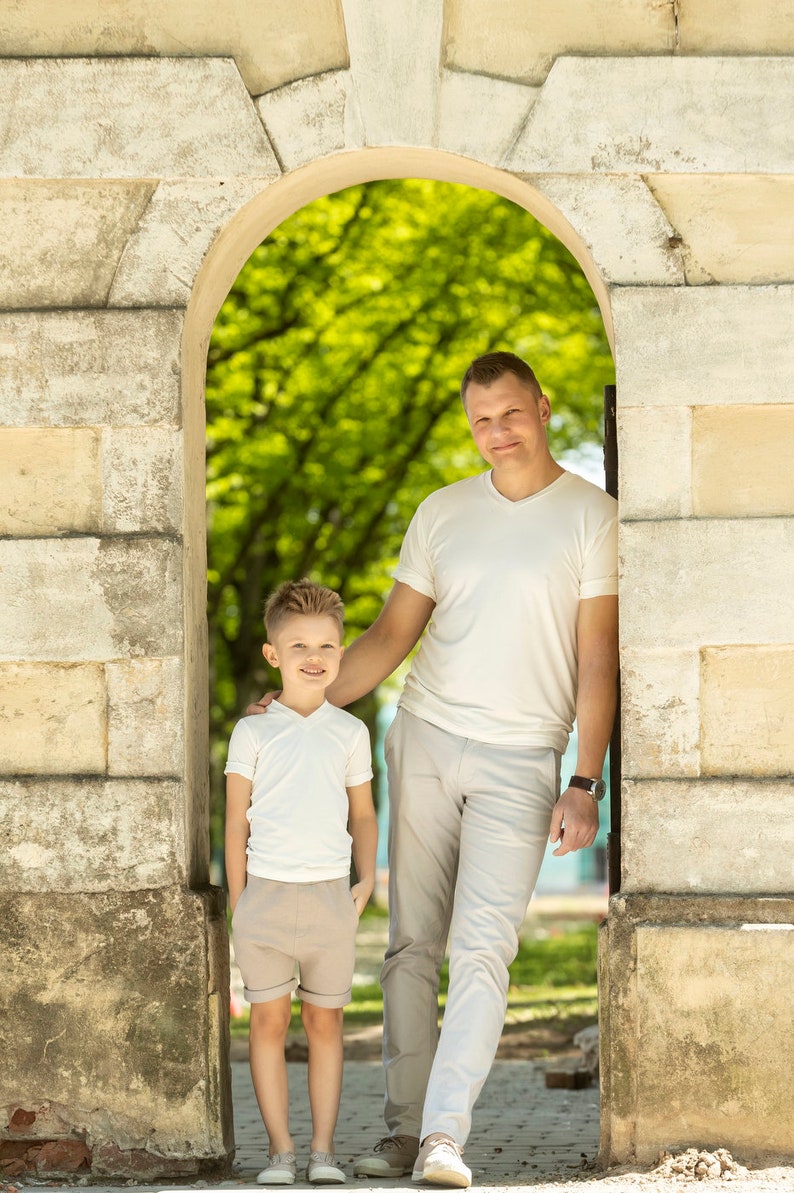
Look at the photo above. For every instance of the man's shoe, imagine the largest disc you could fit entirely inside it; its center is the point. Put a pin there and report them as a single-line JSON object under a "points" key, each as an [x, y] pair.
{"points": [[439, 1163], [395, 1155], [280, 1170], [322, 1170]]}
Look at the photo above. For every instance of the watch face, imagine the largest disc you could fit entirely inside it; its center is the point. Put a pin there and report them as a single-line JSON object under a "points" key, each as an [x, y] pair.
{"points": [[599, 789]]}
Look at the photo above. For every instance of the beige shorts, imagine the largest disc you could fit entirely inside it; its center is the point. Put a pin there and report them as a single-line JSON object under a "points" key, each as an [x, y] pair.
{"points": [[277, 925]]}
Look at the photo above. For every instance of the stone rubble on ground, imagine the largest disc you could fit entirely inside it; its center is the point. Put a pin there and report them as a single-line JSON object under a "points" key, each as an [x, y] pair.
{"points": [[700, 1165]]}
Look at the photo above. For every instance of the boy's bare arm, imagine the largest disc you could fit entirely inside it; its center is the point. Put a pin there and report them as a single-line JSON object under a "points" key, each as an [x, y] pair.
{"points": [[238, 798], [363, 827]]}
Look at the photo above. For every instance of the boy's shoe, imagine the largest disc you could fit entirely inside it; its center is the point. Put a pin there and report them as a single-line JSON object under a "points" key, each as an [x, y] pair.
{"points": [[394, 1155], [439, 1163], [281, 1169], [322, 1170]]}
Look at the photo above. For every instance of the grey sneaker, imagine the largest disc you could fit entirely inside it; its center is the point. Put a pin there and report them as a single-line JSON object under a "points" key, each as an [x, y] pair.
{"points": [[280, 1170], [439, 1163], [395, 1155], [322, 1170]]}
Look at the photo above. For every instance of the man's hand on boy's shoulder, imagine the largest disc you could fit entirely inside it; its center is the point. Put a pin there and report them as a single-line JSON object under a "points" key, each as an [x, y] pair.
{"points": [[261, 705]]}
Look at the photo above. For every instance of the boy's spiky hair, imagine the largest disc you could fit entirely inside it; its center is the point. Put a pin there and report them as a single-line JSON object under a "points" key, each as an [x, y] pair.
{"points": [[305, 598]]}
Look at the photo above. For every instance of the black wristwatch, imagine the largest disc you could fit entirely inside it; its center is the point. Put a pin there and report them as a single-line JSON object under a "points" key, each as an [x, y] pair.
{"points": [[595, 787]]}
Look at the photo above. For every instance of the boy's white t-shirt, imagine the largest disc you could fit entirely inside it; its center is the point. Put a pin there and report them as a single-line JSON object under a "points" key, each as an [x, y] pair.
{"points": [[299, 768], [498, 661]]}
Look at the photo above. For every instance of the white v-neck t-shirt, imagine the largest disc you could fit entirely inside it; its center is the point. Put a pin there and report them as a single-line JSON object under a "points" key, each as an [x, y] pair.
{"points": [[498, 661], [300, 768]]}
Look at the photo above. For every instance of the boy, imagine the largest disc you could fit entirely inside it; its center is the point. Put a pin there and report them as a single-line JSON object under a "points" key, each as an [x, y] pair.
{"points": [[298, 796]]}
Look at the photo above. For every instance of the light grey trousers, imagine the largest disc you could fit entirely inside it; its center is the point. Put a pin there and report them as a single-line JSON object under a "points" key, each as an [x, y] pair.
{"points": [[468, 825]]}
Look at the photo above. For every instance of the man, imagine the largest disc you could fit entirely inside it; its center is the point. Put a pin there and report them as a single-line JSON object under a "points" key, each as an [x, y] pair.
{"points": [[515, 572]]}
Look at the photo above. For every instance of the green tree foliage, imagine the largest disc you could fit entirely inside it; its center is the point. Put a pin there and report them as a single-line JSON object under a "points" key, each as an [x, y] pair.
{"points": [[332, 393]]}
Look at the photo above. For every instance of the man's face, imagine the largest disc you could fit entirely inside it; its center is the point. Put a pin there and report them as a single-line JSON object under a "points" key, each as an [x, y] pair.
{"points": [[508, 422]]}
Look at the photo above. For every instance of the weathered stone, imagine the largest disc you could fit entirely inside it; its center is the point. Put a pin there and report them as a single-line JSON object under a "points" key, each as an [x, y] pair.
{"points": [[164, 252], [735, 230], [676, 836], [620, 222], [62, 240], [92, 118], [714, 345], [747, 694], [655, 454], [137, 971], [54, 719], [145, 706], [709, 1040], [661, 115], [63, 1156], [312, 117], [688, 584], [85, 598], [141, 479], [271, 43], [479, 116], [89, 368], [764, 28], [752, 446], [520, 41], [51, 481], [660, 712], [394, 58], [91, 834]]}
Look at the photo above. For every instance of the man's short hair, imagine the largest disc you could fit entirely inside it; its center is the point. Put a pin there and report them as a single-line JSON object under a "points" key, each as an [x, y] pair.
{"points": [[484, 370], [305, 598]]}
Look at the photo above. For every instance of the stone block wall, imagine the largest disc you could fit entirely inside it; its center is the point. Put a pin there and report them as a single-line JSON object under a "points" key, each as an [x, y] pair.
{"points": [[142, 161]]}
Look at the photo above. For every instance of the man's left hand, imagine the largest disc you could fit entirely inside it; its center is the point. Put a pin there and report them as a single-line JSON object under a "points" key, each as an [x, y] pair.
{"points": [[574, 821]]}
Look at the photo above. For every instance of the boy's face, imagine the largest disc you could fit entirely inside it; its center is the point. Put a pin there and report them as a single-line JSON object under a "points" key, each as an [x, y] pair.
{"points": [[307, 651]]}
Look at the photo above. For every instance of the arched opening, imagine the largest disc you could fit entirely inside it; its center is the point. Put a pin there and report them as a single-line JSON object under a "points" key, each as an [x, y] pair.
{"points": [[197, 328]]}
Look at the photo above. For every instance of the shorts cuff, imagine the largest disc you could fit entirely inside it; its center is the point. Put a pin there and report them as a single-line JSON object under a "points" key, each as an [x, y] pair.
{"points": [[271, 992], [324, 1000]]}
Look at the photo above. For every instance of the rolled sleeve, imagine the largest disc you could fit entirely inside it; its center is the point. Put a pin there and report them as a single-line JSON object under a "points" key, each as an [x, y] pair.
{"points": [[241, 758]]}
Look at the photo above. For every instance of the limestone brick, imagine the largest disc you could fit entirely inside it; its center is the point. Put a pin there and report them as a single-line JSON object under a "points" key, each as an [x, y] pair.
{"points": [[712, 1064], [621, 224], [106, 118], [521, 40], [766, 27], [747, 697], [479, 116], [145, 715], [312, 117], [741, 461], [51, 481], [54, 719], [271, 43], [714, 345], [655, 454], [90, 834], [107, 1013], [735, 230], [89, 368], [164, 252], [86, 599], [142, 479], [661, 115], [687, 584], [394, 59], [62, 240], [660, 712], [676, 836]]}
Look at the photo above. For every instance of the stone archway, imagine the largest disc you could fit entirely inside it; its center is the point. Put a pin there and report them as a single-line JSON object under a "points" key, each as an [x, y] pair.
{"points": [[108, 221]]}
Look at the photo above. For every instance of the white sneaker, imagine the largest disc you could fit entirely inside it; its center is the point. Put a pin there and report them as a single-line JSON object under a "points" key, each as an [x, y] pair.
{"points": [[323, 1170], [439, 1163], [280, 1170], [394, 1155]]}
